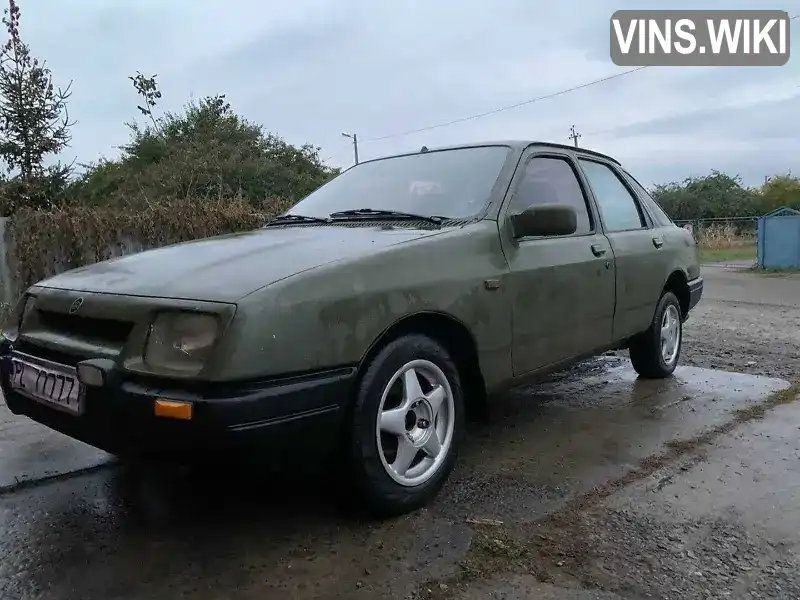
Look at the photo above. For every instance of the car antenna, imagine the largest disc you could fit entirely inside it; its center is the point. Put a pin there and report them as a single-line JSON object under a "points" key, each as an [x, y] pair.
{"points": [[424, 149]]}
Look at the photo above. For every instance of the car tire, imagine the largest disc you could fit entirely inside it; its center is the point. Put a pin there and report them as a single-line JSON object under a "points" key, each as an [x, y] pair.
{"points": [[655, 352], [388, 410]]}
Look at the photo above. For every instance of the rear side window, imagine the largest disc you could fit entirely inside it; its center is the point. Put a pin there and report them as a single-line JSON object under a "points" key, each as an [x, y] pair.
{"points": [[660, 216], [550, 180], [617, 205]]}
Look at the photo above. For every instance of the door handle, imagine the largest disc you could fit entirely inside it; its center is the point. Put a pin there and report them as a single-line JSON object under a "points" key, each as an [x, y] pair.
{"points": [[658, 242], [598, 250]]}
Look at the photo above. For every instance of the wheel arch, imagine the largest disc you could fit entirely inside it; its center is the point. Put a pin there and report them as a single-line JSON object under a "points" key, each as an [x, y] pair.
{"points": [[678, 284], [457, 339]]}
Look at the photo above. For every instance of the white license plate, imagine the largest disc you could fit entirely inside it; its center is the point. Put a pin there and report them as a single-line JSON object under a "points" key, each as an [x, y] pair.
{"points": [[51, 383]]}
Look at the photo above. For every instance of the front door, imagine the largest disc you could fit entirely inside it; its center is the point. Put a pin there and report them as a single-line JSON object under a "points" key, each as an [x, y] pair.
{"points": [[562, 287]]}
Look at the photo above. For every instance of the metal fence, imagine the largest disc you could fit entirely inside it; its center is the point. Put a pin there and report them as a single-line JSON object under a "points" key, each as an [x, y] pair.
{"points": [[740, 225]]}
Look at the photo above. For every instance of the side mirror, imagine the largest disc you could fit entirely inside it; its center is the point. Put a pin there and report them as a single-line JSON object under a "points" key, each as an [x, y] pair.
{"points": [[545, 220]]}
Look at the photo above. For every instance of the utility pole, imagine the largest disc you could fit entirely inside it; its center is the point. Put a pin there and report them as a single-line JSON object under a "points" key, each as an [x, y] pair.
{"points": [[574, 135], [354, 137]]}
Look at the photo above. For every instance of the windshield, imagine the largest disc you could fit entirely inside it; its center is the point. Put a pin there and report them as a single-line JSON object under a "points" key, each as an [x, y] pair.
{"points": [[449, 183]]}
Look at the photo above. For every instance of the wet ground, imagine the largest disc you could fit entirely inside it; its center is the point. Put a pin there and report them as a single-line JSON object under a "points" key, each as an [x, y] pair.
{"points": [[592, 485], [746, 322]]}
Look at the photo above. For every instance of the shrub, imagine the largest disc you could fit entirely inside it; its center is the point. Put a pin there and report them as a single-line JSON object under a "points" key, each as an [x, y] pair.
{"points": [[206, 151], [722, 236], [44, 243]]}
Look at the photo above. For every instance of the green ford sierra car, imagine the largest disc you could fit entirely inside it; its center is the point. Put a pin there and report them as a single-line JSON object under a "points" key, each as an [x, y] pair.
{"points": [[367, 322]]}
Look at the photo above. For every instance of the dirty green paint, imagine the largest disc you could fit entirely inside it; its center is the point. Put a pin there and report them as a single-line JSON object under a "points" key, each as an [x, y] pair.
{"points": [[302, 298]]}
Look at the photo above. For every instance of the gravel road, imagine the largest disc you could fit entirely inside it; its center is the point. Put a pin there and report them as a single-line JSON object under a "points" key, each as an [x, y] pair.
{"points": [[746, 322]]}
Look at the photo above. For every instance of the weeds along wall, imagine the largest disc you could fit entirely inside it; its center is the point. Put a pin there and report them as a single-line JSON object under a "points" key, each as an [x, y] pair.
{"points": [[722, 236], [38, 244]]}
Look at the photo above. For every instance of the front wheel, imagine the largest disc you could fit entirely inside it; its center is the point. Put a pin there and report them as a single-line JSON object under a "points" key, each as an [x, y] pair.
{"points": [[407, 422], [655, 352]]}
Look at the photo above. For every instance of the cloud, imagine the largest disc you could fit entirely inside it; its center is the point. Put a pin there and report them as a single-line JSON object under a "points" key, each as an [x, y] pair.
{"points": [[311, 69]]}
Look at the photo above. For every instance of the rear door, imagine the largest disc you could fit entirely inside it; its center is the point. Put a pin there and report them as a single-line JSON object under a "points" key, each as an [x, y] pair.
{"points": [[562, 287], [681, 252], [640, 248]]}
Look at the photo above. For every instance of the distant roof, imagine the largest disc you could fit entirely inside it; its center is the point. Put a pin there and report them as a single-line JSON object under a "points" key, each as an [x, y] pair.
{"points": [[514, 144], [783, 211]]}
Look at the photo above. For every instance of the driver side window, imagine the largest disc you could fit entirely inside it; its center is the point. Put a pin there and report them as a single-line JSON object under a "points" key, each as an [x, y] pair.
{"points": [[550, 180]]}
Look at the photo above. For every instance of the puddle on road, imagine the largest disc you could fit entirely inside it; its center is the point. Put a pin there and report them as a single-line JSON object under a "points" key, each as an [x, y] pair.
{"points": [[30, 452], [126, 535], [564, 436]]}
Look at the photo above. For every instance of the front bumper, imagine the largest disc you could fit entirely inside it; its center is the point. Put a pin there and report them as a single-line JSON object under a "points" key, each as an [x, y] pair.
{"points": [[265, 419]]}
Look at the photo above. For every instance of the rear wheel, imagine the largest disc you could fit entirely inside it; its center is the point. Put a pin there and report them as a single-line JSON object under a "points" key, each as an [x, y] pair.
{"points": [[407, 422], [655, 352]]}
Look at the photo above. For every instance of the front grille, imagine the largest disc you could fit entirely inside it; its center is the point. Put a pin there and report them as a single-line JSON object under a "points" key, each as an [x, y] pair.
{"points": [[88, 328], [58, 356]]}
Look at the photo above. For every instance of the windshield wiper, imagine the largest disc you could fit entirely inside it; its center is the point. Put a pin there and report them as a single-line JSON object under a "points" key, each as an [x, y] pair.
{"points": [[284, 219], [394, 214]]}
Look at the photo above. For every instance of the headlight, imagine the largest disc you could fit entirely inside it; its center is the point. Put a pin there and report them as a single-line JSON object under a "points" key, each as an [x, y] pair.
{"points": [[180, 341]]}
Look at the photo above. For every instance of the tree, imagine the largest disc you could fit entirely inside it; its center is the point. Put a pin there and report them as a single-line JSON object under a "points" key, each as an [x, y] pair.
{"points": [[205, 151], [34, 122], [714, 196], [147, 88], [778, 191]]}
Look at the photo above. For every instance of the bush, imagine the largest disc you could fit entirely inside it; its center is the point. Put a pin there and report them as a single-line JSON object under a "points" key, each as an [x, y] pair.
{"points": [[722, 236], [713, 196], [44, 243], [779, 191], [206, 151]]}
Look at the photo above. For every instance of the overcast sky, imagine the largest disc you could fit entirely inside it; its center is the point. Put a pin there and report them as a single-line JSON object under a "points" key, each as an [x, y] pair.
{"points": [[310, 69]]}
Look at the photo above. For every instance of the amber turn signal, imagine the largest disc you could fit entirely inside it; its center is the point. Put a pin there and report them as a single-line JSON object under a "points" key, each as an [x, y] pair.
{"points": [[173, 409]]}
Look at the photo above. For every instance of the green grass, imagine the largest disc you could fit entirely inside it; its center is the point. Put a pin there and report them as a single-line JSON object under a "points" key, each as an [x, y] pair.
{"points": [[774, 272], [726, 254]]}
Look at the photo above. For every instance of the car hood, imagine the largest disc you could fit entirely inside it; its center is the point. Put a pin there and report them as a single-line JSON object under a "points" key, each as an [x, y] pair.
{"points": [[226, 268]]}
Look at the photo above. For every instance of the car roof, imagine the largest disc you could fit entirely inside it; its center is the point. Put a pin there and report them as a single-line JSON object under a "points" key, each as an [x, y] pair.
{"points": [[518, 145]]}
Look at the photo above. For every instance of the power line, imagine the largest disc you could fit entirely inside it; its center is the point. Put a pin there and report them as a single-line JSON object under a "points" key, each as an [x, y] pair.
{"points": [[574, 135], [513, 106], [504, 108], [680, 114]]}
